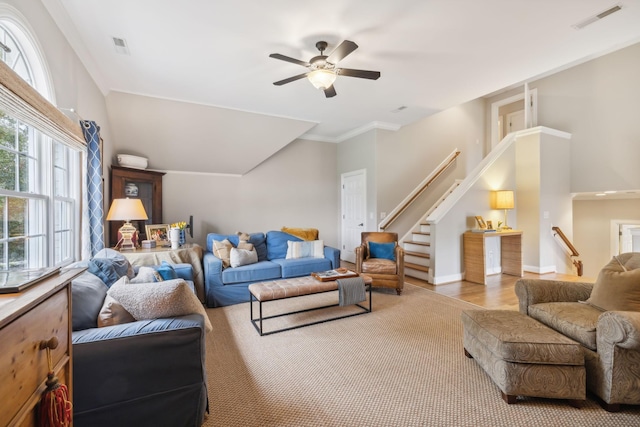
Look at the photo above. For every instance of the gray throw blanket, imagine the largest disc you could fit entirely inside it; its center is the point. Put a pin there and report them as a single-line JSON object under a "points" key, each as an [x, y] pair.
{"points": [[351, 291]]}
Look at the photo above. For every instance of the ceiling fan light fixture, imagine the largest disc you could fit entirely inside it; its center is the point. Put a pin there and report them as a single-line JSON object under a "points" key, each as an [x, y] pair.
{"points": [[322, 79]]}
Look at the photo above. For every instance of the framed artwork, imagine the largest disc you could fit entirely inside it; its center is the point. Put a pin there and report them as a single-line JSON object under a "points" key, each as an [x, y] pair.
{"points": [[489, 225], [159, 233], [481, 223]]}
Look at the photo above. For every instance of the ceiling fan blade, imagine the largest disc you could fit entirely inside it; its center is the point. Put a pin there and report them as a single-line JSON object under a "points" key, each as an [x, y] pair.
{"points": [[290, 79], [330, 92], [344, 49], [289, 59], [363, 74]]}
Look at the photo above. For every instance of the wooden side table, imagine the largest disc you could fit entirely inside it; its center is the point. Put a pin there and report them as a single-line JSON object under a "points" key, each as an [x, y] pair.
{"points": [[190, 253], [474, 254]]}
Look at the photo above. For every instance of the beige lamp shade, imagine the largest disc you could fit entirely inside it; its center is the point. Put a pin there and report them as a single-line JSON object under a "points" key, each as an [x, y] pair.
{"points": [[126, 210], [503, 199]]}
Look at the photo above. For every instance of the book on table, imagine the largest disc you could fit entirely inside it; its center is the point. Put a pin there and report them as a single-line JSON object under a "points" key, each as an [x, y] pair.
{"points": [[329, 275]]}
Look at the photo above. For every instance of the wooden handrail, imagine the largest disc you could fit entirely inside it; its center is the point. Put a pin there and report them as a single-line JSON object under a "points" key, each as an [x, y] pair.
{"points": [[418, 191], [574, 252]]}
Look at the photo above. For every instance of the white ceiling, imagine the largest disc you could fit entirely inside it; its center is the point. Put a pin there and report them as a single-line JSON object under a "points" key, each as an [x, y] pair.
{"points": [[433, 54]]}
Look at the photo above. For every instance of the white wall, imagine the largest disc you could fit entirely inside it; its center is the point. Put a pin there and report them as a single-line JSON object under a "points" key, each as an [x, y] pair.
{"points": [[592, 229], [297, 187]]}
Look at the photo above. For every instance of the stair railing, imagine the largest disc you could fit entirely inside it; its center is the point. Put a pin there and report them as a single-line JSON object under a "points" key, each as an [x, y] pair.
{"points": [[398, 210], [571, 249]]}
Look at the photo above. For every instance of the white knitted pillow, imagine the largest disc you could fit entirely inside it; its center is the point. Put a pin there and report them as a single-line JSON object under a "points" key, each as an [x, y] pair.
{"points": [[158, 300]]}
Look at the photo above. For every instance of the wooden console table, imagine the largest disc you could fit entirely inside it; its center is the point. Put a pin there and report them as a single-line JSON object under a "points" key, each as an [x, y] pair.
{"points": [[475, 265], [190, 253]]}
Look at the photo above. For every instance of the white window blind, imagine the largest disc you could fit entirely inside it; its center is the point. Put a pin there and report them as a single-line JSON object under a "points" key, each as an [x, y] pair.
{"points": [[23, 102]]}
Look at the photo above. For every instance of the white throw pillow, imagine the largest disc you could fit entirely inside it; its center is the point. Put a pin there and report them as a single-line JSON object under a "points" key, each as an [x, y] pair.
{"points": [[241, 257], [305, 249], [146, 275], [157, 300]]}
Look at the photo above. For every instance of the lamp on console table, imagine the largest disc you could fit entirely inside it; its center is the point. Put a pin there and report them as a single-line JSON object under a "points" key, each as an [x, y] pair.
{"points": [[503, 199], [127, 210]]}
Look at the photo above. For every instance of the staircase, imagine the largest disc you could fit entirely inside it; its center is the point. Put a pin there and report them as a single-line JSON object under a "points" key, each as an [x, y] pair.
{"points": [[417, 243]]}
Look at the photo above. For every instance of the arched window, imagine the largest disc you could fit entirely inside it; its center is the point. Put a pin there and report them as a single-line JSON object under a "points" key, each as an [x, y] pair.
{"points": [[39, 175]]}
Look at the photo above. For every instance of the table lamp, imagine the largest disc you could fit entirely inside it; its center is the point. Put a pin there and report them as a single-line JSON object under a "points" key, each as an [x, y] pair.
{"points": [[503, 199], [126, 210]]}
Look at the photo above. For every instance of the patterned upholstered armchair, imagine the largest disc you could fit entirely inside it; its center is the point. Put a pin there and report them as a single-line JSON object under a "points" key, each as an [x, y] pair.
{"points": [[610, 336], [380, 257]]}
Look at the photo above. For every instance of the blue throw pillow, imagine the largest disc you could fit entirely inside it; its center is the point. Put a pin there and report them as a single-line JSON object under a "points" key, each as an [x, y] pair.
{"points": [[104, 269], [382, 250], [167, 271]]}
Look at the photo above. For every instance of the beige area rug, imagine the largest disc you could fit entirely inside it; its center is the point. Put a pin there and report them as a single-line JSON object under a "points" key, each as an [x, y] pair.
{"points": [[401, 365]]}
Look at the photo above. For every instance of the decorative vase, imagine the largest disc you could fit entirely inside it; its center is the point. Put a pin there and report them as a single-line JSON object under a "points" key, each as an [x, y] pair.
{"points": [[174, 237], [183, 237]]}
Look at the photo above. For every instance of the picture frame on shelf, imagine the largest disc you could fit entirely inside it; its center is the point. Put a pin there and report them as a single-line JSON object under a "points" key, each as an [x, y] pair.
{"points": [[481, 224], [489, 225], [159, 233]]}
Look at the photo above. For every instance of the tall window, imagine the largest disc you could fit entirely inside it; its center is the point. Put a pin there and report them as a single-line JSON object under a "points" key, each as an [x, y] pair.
{"points": [[39, 176]]}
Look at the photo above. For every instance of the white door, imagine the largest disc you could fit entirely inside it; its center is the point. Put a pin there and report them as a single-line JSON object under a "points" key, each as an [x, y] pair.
{"points": [[354, 212], [515, 121]]}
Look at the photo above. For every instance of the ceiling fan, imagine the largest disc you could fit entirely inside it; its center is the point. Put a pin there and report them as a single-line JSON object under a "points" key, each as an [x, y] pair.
{"points": [[323, 70]]}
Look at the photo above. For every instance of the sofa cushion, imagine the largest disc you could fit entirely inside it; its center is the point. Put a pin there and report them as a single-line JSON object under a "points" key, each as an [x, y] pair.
{"points": [[305, 249], [240, 257], [113, 313], [576, 320], [382, 250], [166, 271], [379, 266], [617, 288], [87, 295], [303, 233], [146, 275], [277, 244], [262, 270], [222, 250], [119, 261], [257, 239], [158, 300], [302, 266]]}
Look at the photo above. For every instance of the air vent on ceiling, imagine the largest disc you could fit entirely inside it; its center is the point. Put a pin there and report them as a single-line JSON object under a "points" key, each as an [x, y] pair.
{"points": [[120, 45], [580, 25]]}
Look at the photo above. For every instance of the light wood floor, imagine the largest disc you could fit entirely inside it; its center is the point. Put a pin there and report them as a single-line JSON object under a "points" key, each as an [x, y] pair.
{"points": [[497, 294]]}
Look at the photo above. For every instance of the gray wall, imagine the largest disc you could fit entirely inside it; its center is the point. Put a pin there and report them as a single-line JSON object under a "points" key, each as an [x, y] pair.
{"points": [[592, 229], [297, 187]]}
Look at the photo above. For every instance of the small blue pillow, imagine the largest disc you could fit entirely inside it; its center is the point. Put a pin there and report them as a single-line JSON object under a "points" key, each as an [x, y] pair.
{"points": [[104, 269], [167, 271], [382, 250]]}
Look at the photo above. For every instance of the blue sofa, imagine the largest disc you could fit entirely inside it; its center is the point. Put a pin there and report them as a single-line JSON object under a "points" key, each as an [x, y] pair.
{"points": [[229, 285], [138, 374]]}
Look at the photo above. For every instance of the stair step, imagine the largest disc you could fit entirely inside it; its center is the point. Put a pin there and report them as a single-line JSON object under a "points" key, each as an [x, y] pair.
{"points": [[424, 233], [416, 267], [417, 254], [415, 242]]}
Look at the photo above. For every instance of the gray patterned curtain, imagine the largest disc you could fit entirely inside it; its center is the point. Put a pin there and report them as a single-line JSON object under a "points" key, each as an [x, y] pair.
{"points": [[91, 133]]}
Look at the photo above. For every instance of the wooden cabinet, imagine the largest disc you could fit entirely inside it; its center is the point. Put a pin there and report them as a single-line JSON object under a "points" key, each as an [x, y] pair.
{"points": [[37, 314], [475, 263], [136, 184]]}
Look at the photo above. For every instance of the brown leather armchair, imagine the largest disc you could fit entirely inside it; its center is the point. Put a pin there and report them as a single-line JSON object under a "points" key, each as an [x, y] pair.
{"points": [[384, 272]]}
